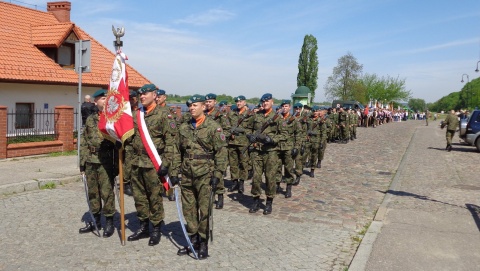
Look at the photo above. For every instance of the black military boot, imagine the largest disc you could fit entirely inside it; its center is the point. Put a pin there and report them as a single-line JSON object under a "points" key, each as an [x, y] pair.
{"points": [[288, 193], [250, 174], [127, 189], [319, 164], [268, 206], [449, 148], [255, 205], [203, 251], [297, 180], [141, 233], [109, 229], [312, 173], [279, 188], [156, 234], [186, 249], [234, 186], [90, 226], [219, 202], [241, 189]]}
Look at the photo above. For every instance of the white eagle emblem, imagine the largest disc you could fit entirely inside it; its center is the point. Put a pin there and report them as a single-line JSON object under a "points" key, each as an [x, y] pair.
{"points": [[112, 105]]}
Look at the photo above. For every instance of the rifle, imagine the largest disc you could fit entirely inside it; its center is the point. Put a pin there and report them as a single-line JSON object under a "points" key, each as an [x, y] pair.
{"points": [[85, 185], [264, 126], [220, 110], [241, 119]]}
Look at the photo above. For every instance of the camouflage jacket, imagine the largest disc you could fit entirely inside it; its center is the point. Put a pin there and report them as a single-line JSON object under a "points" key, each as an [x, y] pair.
{"points": [[163, 131], [318, 129], [301, 131], [272, 130], [291, 127], [451, 121], [246, 119], [343, 118], [94, 148], [203, 149], [221, 119]]}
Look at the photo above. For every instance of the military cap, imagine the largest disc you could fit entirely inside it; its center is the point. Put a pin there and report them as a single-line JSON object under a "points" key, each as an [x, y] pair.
{"points": [[266, 97], [195, 99], [298, 105], [147, 88], [239, 98], [285, 102], [161, 92], [233, 108], [100, 93], [221, 103], [132, 93], [210, 96], [307, 106]]}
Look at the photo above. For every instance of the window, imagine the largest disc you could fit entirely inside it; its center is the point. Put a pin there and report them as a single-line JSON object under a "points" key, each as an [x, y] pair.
{"points": [[66, 55], [23, 115]]}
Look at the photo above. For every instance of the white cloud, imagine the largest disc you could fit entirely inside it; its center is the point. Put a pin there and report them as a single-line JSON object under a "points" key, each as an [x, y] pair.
{"points": [[207, 18], [440, 46]]}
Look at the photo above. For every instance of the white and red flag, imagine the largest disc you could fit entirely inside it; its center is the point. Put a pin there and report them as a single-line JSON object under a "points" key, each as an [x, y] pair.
{"points": [[116, 124]]}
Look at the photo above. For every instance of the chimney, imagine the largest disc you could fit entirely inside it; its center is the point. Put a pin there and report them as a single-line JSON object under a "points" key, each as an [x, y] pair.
{"points": [[61, 10]]}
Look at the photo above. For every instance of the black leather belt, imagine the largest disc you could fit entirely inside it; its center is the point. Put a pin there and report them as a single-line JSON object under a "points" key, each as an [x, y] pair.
{"points": [[198, 156], [94, 149]]}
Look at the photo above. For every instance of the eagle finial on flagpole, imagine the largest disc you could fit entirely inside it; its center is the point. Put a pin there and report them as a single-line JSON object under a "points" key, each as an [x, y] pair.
{"points": [[118, 33]]}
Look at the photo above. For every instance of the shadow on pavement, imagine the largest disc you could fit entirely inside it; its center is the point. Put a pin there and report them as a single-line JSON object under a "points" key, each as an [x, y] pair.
{"points": [[475, 211], [459, 148], [408, 194]]}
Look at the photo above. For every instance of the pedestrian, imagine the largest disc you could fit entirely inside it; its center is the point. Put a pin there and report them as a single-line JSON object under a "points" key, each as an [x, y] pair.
{"points": [[160, 136], [204, 159], [97, 163], [87, 108], [451, 122]]}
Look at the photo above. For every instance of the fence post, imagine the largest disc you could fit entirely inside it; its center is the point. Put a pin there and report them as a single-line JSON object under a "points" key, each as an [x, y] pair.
{"points": [[64, 119], [3, 132]]}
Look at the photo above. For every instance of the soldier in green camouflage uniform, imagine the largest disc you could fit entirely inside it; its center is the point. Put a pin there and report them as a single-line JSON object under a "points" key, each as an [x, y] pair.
{"points": [[288, 149], [306, 114], [300, 141], [97, 161], [204, 159], [241, 121], [128, 151], [265, 154], [147, 188], [343, 125], [336, 126], [354, 123], [451, 122], [317, 132], [217, 115]]}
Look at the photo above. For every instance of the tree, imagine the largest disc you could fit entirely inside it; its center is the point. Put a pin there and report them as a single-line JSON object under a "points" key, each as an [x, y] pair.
{"points": [[385, 88], [341, 84], [417, 105], [308, 64]]}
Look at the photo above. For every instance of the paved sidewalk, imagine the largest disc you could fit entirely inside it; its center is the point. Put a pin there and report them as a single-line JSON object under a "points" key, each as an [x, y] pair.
{"points": [[430, 218]]}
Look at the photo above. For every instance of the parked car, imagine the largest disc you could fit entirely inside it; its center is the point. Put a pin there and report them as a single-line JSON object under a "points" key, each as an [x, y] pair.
{"points": [[470, 129]]}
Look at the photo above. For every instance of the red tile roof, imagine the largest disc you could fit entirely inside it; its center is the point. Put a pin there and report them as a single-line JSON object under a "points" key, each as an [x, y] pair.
{"points": [[23, 31]]}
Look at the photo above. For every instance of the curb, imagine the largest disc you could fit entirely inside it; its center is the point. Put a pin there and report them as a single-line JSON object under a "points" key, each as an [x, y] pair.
{"points": [[31, 185]]}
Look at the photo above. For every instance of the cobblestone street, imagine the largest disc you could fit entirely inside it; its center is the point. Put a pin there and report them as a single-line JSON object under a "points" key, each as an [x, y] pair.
{"points": [[317, 229]]}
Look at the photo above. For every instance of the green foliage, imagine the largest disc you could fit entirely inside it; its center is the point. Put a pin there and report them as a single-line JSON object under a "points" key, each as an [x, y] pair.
{"points": [[467, 98], [308, 64], [344, 79], [449, 102], [30, 138], [417, 105], [49, 185], [64, 153], [383, 88]]}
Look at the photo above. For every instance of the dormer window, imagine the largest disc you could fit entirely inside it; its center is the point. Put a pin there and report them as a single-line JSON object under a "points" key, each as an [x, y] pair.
{"points": [[57, 42]]}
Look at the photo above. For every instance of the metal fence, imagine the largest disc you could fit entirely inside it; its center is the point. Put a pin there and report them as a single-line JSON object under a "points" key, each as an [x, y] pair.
{"points": [[31, 126]]}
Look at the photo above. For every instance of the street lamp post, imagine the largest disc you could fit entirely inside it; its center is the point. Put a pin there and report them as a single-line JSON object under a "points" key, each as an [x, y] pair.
{"points": [[467, 90]]}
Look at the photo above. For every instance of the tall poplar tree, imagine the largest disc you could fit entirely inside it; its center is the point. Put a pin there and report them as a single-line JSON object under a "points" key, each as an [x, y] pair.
{"points": [[308, 65]]}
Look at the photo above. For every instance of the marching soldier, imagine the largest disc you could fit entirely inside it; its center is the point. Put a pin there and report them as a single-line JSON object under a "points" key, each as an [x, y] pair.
{"points": [[343, 125], [300, 141], [97, 161], [241, 121], [287, 148], [204, 159], [451, 122], [147, 187], [317, 133], [218, 116], [267, 134]]}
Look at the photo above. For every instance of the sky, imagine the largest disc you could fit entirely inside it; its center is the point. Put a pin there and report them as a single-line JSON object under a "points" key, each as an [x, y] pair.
{"points": [[250, 47]]}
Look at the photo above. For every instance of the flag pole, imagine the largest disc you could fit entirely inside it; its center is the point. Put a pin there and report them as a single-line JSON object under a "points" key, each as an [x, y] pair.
{"points": [[122, 202]]}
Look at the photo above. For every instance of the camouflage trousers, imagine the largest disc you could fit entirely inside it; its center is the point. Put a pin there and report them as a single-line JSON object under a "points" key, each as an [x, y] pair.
{"points": [[147, 194], [238, 162], [299, 162], [100, 187], [265, 162], [344, 131], [449, 135], [127, 165], [306, 154], [195, 203], [353, 130], [285, 160]]}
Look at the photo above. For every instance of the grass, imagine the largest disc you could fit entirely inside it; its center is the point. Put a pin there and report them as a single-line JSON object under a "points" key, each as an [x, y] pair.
{"points": [[26, 139], [62, 153], [49, 185]]}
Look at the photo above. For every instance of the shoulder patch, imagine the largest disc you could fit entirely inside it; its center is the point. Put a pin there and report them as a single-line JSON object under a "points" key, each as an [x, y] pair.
{"points": [[222, 137], [284, 123], [219, 130], [172, 125], [169, 116]]}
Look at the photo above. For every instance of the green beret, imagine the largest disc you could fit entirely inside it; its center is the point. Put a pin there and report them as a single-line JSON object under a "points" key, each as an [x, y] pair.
{"points": [[239, 98], [315, 108], [222, 103], [195, 99], [147, 88], [160, 92], [266, 97], [298, 105], [233, 108], [210, 96], [100, 93], [132, 93], [285, 102]]}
